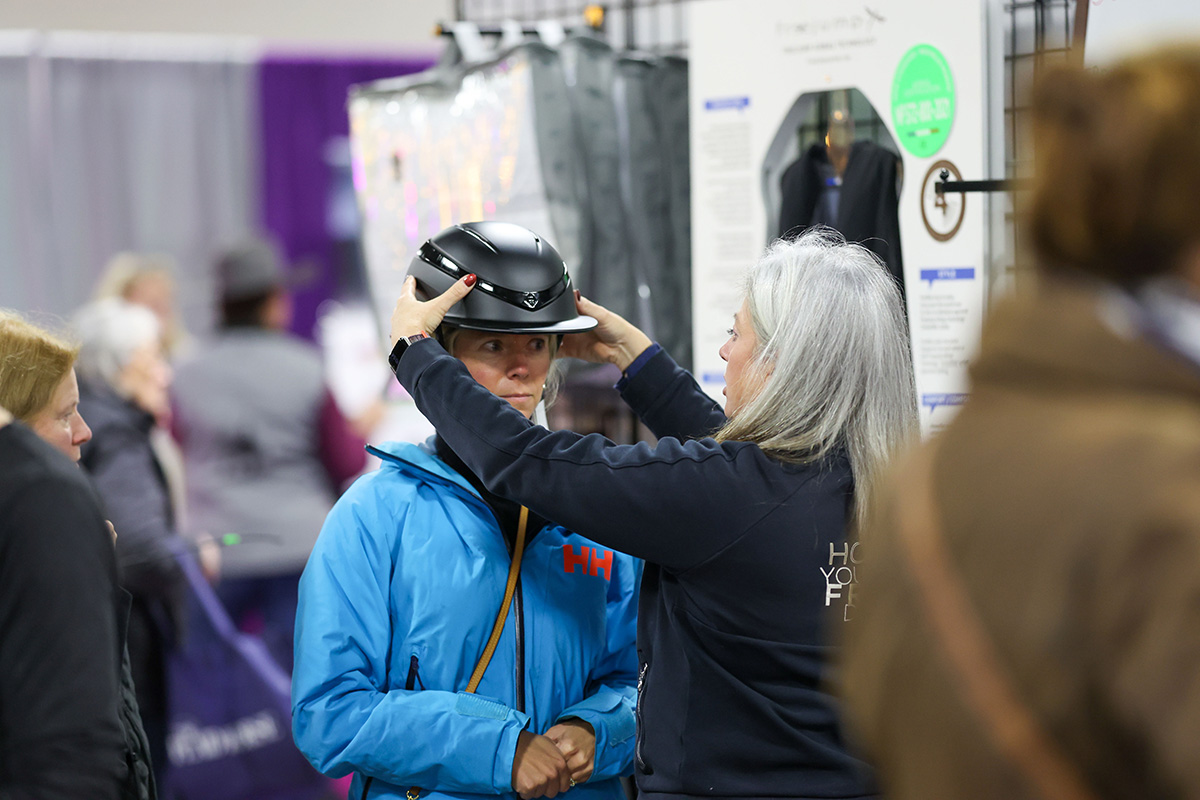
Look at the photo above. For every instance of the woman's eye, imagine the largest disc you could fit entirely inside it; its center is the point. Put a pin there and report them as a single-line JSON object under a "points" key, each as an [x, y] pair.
{"points": [[731, 332], [538, 344]]}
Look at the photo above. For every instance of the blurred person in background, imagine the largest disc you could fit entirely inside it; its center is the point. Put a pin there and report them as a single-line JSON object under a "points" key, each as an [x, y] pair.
{"points": [[123, 384], [402, 592], [1029, 619], [747, 517], [69, 720], [148, 279], [266, 450]]}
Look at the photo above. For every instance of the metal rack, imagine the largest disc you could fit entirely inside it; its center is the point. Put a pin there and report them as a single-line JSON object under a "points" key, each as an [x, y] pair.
{"points": [[653, 26], [1037, 33]]}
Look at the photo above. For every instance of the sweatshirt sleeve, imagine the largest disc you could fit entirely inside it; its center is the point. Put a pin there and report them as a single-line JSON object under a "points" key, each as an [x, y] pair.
{"points": [[339, 447], [610, 708], [669, 401], [345, 718], [672, 504], [122, 468]]}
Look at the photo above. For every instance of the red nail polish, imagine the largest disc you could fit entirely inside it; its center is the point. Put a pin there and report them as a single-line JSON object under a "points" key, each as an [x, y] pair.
{"points": [[578, 296], [470, 279]]}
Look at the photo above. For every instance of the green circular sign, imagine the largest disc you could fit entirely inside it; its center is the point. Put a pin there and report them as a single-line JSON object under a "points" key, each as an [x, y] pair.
{"points": [[923, 100]]}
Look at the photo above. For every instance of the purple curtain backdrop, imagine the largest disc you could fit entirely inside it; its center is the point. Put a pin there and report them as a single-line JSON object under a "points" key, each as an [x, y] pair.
{"points": [[302, 107]]}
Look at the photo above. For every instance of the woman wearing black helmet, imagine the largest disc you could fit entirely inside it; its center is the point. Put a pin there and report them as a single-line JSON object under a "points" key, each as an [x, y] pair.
{"points": [[450, 642], [748, 518]]}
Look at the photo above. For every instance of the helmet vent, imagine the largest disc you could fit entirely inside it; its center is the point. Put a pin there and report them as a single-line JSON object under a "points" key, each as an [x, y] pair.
{"points": [[479, 236], [521, 280]]}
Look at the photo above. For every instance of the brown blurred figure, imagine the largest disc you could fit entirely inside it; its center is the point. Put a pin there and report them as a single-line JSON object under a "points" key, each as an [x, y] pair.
{"points": [[1033, 630]]}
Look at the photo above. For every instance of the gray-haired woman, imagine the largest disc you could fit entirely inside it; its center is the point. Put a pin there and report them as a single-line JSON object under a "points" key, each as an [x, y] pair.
{"points": [[748, 518], [123, 382]]}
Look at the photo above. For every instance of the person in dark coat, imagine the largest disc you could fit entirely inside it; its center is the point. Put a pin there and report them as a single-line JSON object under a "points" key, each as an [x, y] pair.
{"points": [[123, 388], [69, 721], [748, 518], [867, 208]]}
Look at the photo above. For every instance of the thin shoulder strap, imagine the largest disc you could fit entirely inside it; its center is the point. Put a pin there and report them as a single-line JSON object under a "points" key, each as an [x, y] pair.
{"points": [[969, 651], [514, 572], [485, 658]]}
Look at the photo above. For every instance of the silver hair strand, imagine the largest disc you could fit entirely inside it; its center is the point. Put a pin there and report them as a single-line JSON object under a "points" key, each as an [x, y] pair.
{"points": [[833, 345]]}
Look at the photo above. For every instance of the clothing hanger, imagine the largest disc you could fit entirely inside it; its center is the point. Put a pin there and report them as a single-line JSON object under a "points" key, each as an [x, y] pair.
{"points": [[839, 137]]}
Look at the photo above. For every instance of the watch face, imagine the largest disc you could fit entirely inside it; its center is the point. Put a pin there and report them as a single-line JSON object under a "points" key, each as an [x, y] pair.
{"points": [[401, 345], [942, 213], [397, 351]]}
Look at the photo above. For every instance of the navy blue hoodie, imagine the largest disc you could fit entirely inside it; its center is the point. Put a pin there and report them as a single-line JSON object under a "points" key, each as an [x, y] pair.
{"points": [[747, 561]]}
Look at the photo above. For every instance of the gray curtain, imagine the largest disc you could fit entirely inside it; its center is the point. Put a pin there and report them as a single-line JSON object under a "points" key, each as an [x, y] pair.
{"points": [[590, 70], [562, 171], [22, 276], [99, 155], [669, 109]]}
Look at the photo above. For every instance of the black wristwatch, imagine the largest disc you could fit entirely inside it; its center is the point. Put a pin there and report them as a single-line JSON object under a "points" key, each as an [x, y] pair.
{"points": [[401, 345]]}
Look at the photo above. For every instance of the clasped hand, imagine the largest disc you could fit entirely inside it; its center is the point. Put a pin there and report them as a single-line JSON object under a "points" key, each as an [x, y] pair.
{"points": [[546, 765]]}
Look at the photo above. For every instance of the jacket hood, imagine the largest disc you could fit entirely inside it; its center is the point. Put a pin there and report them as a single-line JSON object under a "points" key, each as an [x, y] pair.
{"points": [[418, 461], [1074, 338]]}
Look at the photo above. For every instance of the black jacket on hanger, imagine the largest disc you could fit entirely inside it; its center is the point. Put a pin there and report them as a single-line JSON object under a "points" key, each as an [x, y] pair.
{"points": [[868, 209]]}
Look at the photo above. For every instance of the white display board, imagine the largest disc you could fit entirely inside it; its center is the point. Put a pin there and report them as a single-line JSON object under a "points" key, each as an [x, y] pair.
{"points": [[1116, 28], [751, 62]]}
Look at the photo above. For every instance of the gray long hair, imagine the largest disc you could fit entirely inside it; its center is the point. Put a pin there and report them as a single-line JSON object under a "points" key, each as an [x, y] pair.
{"points": [[833, 343]]}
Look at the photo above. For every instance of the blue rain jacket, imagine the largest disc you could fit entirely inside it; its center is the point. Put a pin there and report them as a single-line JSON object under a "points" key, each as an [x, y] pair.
{"points": [[396, 604]]}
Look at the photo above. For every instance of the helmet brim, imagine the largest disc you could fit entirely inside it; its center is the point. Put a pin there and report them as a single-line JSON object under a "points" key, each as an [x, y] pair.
{"points": [[579, 324]]}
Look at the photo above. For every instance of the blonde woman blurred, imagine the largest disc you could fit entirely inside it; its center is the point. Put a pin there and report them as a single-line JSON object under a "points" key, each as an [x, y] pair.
{"points": [[148, 279]]}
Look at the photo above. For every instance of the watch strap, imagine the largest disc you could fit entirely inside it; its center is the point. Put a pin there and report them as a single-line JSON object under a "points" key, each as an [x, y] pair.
{"points": [[401, 345]]}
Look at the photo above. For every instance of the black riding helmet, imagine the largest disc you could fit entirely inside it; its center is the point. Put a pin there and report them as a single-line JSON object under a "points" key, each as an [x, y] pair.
{"points": [[523, 285]]}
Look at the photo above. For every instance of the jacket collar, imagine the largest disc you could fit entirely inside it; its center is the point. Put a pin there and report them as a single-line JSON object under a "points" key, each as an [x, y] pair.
{"points": [[1172, 310], [1073, 337], [419, 461]]}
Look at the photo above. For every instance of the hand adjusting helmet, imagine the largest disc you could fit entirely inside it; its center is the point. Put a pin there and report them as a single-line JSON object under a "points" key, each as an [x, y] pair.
{"points": [[523, 285]]}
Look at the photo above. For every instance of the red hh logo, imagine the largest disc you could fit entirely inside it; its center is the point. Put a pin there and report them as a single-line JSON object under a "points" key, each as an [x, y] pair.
{"points": [[590, 559]]}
